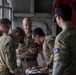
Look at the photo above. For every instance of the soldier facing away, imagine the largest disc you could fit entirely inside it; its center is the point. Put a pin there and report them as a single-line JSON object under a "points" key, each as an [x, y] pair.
{"points": [[65, 43]]}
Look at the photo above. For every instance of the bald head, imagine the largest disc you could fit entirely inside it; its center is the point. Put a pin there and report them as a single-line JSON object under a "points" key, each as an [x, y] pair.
{"points": [[27, 20], [27, 25]]}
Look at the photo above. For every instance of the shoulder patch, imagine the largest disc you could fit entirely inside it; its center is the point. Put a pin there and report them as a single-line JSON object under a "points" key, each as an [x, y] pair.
{"points": [[56, 50]]}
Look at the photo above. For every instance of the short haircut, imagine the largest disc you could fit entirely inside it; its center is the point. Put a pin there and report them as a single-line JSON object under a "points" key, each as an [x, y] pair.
{"points": [[19, 30], [64, 11], [5, 21], [38, 31]]}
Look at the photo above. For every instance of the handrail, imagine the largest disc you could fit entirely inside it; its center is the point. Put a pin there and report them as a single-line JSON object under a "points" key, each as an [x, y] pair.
{"points": [[10, 12]]}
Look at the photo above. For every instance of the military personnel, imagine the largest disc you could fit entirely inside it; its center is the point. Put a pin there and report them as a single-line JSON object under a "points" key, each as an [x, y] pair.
{"points": [[46, 41], [8, 64], [3, 22], [24, 47], [65, 43]]}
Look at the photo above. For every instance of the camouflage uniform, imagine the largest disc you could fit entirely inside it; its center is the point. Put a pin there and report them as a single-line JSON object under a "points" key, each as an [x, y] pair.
{"points": [[26, 55], [65, 52], [27, 43], [40, 51], [48, 45], [7, 55]]}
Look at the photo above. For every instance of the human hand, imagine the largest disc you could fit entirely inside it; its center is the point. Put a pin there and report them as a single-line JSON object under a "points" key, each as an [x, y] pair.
{"points": [[43, 70], [19, 52], [35, 67], [33, 50]]}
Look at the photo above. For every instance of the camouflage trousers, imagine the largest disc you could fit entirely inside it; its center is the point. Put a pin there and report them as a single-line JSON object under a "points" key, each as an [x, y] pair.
{"points": [[6, 72]]}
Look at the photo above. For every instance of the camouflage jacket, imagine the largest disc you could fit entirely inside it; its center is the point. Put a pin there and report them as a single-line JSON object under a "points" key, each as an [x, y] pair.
{"points": [[7, 53], [65, 51], [48, 46]]}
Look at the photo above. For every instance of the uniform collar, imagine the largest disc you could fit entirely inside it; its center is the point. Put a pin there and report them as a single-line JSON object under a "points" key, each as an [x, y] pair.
{"points": [[66, 27], [5, 34], [28, 35]]}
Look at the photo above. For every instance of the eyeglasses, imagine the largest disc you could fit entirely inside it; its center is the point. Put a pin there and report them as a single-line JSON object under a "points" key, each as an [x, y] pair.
{"points": [[7, 27]]}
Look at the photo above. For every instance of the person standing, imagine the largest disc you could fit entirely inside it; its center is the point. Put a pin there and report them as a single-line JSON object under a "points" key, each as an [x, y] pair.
{"points": [[25, 47], [8, 64], [65, 43]]}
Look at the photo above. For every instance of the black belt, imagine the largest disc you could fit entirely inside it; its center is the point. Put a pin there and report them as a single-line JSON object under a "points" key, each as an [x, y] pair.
{"points": [[30, 59]]}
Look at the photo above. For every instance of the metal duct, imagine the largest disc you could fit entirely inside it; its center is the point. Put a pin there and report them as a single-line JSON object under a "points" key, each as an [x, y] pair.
{"points": [[21, 6]]}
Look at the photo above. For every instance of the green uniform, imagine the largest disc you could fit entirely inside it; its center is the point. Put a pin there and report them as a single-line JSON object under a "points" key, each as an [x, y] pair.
{"points": [[65, 52], [29, 59], [48, 45], [27, 43], [7, 55]]}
